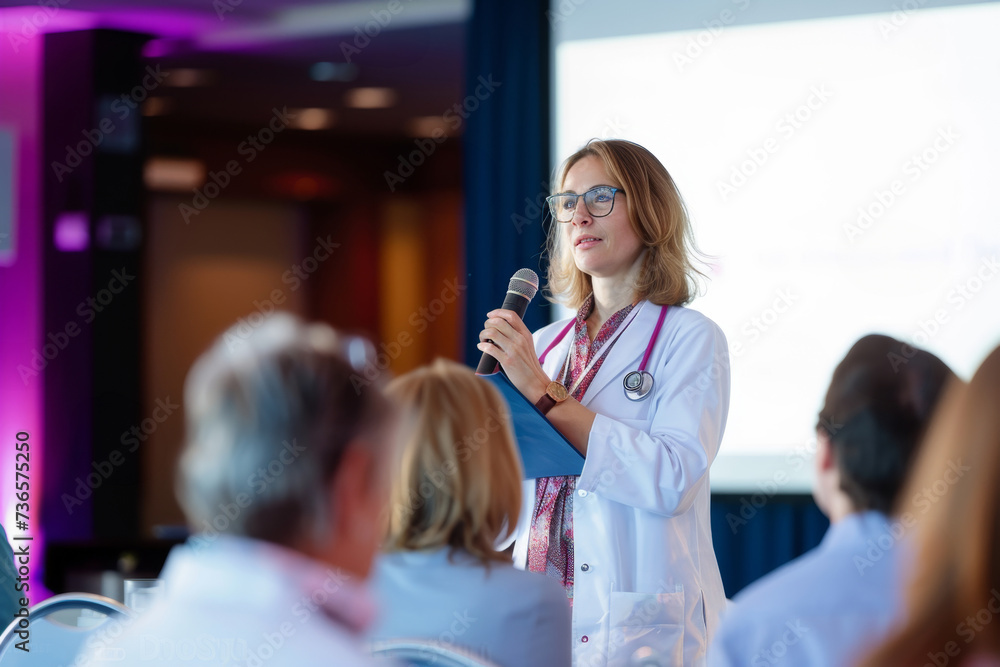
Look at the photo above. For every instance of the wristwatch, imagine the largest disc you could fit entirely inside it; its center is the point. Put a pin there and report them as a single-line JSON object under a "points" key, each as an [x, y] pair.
{"points": [[555, 393]]}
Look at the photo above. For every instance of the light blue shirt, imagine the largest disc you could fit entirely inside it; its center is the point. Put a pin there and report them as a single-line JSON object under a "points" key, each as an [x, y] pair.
{"points": [[827, 607], [510, 617]]}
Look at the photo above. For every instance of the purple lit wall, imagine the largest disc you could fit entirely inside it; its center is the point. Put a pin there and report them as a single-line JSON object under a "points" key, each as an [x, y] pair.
{"points": [[21, 286]]}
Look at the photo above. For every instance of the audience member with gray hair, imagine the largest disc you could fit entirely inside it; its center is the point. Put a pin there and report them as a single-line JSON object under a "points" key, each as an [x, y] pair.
{"points": [[284, 478]]}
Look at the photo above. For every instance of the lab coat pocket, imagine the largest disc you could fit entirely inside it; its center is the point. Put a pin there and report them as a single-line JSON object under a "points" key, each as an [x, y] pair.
{"points": [[646, 626]]}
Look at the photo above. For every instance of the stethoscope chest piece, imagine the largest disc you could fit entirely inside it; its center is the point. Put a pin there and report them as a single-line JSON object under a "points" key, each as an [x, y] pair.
{"points": [[638, 384]]}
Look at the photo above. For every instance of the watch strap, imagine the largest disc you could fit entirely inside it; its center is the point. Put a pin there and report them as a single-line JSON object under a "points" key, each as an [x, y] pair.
{"points": [[545, 403]]}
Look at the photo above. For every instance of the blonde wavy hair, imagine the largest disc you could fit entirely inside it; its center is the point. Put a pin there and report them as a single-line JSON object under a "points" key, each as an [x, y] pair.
{"points": [[460, 480], [658, 216]]}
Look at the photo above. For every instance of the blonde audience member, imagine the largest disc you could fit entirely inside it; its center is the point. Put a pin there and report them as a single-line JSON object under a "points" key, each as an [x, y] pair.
{"points": [[457, 495], [953, 599]]}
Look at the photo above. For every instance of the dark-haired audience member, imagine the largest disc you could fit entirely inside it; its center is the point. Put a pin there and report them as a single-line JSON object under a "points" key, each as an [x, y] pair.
{"points": [[459, 494], [952, 601], [828, 606], [284, 475]]}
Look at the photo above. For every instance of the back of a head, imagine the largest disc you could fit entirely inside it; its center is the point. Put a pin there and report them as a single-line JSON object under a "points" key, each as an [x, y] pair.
{"points": [[876, 412], [952, 591], [460, 479], [269, 417]]}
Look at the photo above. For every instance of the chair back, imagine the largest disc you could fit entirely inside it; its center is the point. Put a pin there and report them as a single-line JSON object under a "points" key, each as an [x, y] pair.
{"points": [[58, 628], [424, 653]]}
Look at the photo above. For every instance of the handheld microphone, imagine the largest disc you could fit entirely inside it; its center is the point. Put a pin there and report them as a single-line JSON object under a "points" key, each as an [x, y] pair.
{"points": [[520, 291]]}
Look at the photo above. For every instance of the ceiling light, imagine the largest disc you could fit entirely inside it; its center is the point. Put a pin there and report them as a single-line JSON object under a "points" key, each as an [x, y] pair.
{"points": [[187, 77], [310, 119], [370, 98], [326, 71], [72, 231], [157, 106], [173, 174], [429, 126]]}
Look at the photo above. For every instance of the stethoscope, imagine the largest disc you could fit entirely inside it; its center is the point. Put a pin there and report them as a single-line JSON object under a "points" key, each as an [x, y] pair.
{"points": [[638, 384]]}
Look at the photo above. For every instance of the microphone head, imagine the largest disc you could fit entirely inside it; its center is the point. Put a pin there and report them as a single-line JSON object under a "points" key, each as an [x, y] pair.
{"points": [[525, 283]]}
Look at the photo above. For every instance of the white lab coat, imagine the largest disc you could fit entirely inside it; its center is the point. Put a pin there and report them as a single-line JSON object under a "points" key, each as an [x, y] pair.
{"points": [[646, 574]]}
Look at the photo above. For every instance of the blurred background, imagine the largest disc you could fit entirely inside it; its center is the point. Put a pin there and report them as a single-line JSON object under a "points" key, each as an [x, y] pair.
{"points": [[170, 168]]}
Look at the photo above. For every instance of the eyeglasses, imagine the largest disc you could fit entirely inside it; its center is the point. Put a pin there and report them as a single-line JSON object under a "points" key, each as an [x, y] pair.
{"points": [[600, 201]]}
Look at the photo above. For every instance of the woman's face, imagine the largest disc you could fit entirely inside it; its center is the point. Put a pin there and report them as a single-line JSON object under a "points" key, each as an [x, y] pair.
{"points": [[605, 247]]}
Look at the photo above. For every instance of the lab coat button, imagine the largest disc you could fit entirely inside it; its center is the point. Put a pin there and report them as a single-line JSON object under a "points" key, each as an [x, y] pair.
{"points": [[584, 639], [583, 493], [584, 567]]}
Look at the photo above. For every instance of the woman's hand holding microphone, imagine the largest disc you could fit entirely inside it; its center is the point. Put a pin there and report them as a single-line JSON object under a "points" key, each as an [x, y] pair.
{"points": [[506, 338]]}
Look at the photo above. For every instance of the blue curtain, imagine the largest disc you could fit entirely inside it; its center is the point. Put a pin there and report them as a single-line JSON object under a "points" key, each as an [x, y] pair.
{"points": [[753, 534], [505, 154]]}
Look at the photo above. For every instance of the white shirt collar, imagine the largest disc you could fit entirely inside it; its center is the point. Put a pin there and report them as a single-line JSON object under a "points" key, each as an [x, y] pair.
{"points": [[255, 573]]}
